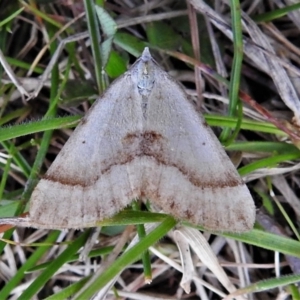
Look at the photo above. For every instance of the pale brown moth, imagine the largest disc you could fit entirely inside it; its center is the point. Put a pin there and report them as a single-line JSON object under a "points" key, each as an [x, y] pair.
{"points": [[142, 139]]}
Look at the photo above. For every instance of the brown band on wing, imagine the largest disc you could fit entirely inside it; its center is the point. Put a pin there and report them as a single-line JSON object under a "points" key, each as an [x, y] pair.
{"points": [[150, 144]]}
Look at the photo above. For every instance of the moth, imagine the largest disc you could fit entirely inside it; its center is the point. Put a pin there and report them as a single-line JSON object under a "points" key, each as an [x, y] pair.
{"points": [[142, 139]]}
